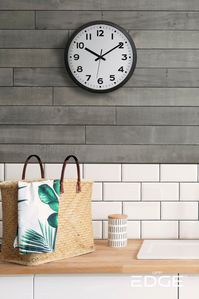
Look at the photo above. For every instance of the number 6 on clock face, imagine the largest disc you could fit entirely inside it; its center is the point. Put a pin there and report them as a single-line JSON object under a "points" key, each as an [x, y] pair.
{"points": [[100, 56]]}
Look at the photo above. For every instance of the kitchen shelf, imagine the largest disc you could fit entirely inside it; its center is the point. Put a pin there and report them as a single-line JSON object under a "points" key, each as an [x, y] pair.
{"points": [[107, 260]]}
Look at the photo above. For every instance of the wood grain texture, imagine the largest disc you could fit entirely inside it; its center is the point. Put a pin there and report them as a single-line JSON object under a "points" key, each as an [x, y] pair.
{"points": [[6, 76], [17, 20], [107, 260], [158, 116], [57, 115], [42, 134], [33, 38], [142, 135], [26, 96], [71, 96], [99, 5], [106, 153]]}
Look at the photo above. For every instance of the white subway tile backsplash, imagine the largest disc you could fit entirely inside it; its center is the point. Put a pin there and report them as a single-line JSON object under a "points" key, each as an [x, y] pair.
{"points": [[103, 172], [189, 229], [189, 191], [179, 210], [178, 172], [121, 191], [133, 229], [142, 210], [97, 191], [53, 171], [160, 191], [97, 229], [101, 210], [140, 172], [1, 172], [160, 229], [14, 171]]}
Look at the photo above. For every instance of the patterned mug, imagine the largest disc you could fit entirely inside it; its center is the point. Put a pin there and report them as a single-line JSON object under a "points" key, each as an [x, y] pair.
{"points": [[117, 230]]}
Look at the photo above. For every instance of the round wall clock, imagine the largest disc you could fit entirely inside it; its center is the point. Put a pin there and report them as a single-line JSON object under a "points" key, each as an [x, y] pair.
{"points": [[100, 56]]}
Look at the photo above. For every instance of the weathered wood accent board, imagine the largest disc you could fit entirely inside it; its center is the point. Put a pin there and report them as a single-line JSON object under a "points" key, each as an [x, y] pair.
{"points": [[154, 118]]}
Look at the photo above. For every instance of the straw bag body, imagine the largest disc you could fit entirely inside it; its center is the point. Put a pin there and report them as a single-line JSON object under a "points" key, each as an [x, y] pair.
{"points": [[74, 235]]}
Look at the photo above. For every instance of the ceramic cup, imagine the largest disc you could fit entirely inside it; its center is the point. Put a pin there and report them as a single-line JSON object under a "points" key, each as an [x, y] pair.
{"points": [[117, 230]]}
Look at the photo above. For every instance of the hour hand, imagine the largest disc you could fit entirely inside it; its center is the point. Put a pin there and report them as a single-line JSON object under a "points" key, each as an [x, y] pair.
{"points": [[92, 52]]}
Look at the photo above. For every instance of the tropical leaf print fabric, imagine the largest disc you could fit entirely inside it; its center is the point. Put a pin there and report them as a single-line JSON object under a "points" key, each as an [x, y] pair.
{"points": [[38, 207]]}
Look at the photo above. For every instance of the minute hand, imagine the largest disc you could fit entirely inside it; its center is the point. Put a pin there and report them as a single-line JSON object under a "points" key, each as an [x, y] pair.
{"points": [[107, 52]]}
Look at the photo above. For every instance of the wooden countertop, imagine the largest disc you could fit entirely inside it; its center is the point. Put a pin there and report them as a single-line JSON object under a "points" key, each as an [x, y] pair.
{"points": [[107, 260]]}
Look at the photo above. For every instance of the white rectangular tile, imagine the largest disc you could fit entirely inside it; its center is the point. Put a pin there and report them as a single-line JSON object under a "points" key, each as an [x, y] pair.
{"points": [[97, 229], [103, 172], [121, 191], [160, 191], [140, 172], [1, 172], [97, 191], [142, 210], [53, 171], [14, 171], [159, 229], [179, 210], [101, 210], [189, 191], [133, 229], [178, 172], [189, 229]]}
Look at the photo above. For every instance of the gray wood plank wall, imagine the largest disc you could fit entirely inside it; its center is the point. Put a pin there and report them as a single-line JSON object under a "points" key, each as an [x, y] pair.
{"points": [[154, 118]]}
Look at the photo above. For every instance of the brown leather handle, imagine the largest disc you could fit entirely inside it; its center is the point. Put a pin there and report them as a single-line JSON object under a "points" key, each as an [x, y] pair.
{"points": [[78, 186], [26, 163]]}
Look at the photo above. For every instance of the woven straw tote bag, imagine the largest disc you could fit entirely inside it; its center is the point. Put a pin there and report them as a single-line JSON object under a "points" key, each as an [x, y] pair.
{"points": [[74, 235]]}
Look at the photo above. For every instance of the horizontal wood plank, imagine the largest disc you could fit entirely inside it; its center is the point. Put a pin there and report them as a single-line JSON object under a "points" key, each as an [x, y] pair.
{"points": [[142, 135], [103, 153], [57, 115], [6, 76], [42, 134], [99, 5], [25, 96], [71, 96], [158, 116], [33, 38], [17, 20]]}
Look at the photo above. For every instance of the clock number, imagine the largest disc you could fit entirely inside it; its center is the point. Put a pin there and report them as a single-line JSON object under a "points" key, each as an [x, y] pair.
{"points": [[80, 45], [121, 45], [100, 81], [112, 77], [100, 32], [76, 56], [121, 69], [79, 69], [88, 36], [124, 56], [111, 35], [88, 77]]}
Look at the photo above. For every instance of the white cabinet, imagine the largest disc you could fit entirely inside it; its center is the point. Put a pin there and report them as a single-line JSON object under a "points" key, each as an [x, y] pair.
{"points": [[189, 287], [16, 287], [103, 287]]}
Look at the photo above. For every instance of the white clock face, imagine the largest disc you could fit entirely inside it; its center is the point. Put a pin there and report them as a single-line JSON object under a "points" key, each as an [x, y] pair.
{"points": [[100, 57]]}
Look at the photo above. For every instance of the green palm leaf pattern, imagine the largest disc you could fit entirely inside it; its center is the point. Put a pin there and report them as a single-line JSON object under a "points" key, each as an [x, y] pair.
{"points": [[53, 220], [34, 242], [56, 186], [47, 194]]}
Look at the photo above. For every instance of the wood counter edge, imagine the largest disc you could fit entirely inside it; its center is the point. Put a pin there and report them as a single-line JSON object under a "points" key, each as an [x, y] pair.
{"points": [[106, 260]]}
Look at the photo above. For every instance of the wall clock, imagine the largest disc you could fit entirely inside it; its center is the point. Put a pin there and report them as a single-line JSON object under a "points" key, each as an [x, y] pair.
{"points": [[100, 56]]}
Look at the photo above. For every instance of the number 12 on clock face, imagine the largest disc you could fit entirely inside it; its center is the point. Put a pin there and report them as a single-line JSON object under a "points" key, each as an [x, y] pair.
{"points": [[100, 56]]}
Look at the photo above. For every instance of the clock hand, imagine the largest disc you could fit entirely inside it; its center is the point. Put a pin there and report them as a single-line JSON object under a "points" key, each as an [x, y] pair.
{"points": [[92, 52], [99, 64], [107, 52]]}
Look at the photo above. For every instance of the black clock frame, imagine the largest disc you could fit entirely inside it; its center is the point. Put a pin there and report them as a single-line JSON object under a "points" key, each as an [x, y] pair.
{"points": [[103, 23]]}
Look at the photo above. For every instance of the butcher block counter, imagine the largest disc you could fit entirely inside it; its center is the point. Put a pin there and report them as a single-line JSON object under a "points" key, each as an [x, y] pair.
{"points": [[106, 260]]}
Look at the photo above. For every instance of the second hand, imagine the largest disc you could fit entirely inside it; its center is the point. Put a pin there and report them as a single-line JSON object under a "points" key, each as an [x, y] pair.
{"points": [[98, 65]]}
